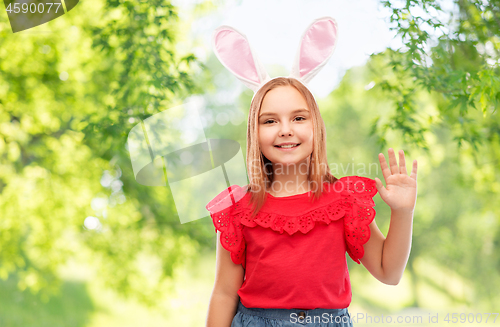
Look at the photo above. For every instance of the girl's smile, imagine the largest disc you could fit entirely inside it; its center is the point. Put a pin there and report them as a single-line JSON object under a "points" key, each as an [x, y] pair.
{"points": [[287, 147]]}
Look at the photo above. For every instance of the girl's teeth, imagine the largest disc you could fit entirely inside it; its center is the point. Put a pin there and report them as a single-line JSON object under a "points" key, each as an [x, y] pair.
{"points": [[287, 146]]}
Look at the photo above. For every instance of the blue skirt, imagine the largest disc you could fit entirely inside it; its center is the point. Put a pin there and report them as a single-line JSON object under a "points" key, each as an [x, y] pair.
{"points": [[255, 317]]}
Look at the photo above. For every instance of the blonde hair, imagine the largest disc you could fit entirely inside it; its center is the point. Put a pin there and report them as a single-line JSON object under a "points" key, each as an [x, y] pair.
{"points": [[259, 174]]}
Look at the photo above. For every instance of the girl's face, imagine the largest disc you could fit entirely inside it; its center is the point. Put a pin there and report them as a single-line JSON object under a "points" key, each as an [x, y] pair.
{"points": [[285, 118]]}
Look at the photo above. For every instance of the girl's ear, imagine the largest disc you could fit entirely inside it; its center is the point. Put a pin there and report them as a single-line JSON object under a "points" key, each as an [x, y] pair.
{"points": [[233, 50], [316, 47]]}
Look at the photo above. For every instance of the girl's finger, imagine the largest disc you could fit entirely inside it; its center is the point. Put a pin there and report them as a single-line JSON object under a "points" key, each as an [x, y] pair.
{"points": [[414, 170], [392, 162], [380, 187], [383, 164], [402, 163]]}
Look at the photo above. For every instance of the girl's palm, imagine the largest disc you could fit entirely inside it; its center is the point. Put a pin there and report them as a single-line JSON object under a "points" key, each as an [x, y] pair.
{"points": [[401, 190]]}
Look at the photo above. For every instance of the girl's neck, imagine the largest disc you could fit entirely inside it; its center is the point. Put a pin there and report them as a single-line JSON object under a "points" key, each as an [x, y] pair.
{"points": [[289, 180]]}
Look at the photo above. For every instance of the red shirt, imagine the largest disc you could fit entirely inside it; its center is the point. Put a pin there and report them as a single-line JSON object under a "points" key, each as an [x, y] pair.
{"points": [[293, 251]]}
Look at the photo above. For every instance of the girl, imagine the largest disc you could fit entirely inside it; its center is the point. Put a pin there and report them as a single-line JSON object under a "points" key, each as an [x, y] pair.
{"points": [[282, 239]]}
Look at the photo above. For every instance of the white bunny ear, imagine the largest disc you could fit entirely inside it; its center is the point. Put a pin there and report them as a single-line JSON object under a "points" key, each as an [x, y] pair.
{"points": [[316, 47], [234, 52]]}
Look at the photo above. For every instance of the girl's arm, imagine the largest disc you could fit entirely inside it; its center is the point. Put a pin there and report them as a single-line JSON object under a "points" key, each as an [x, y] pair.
{"points": [[228, 279], [386, 258]]}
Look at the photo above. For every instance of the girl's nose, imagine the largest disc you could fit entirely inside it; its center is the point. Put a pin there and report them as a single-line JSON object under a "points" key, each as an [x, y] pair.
{"points": [[286, 130]]}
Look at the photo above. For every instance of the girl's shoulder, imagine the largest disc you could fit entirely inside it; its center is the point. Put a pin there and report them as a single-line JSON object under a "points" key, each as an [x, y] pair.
{"points": [[227, 198], [227, 220], [356, 193]]}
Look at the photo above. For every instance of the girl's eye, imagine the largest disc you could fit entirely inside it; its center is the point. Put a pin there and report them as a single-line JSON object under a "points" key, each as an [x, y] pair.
{"points": [[267, 121], [301, 118]]}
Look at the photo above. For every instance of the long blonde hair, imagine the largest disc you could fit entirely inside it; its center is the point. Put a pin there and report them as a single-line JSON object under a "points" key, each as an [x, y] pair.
{"points": [[259, 173]]}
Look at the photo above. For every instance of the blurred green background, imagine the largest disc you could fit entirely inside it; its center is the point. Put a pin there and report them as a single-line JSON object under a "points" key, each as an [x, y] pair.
{"points": [[71, 90]]}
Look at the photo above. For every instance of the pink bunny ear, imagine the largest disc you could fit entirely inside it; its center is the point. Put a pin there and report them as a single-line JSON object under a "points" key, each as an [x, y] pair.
{"points": [[234, 52], [316, 47]]}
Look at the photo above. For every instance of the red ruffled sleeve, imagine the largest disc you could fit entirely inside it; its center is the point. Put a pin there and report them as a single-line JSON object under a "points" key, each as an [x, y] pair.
{"points": [[226, 219], [358, 193]]}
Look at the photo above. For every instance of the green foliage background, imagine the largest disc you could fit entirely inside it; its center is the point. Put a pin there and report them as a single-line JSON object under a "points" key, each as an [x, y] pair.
{"points": [[68, 99]]}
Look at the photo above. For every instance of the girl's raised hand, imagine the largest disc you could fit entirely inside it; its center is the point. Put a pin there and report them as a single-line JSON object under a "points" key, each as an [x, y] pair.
{"points": [[401, 191]]}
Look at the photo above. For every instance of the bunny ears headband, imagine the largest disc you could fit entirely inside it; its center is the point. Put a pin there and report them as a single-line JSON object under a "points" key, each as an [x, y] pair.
{"points": [[316, 47]]}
